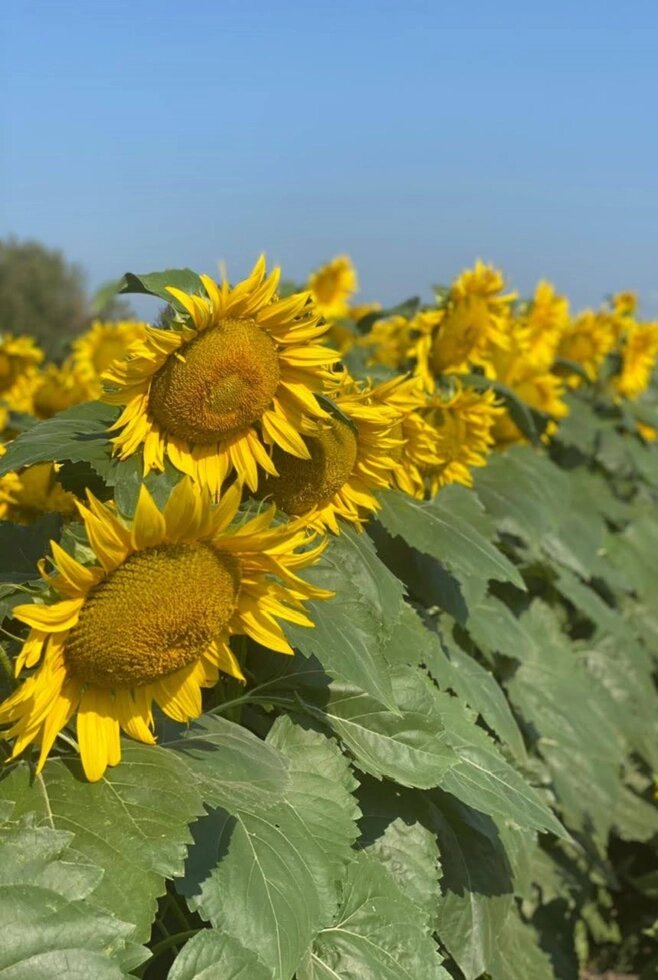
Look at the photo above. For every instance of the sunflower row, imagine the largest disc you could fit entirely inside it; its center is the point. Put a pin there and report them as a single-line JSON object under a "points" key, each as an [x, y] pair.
{"points": [[242, 393]]}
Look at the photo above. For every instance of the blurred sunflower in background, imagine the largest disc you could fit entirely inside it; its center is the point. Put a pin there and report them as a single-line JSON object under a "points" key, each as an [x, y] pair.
{"points": [[19, 361], [237, 375], [331, 287], [95, 350], [463, 423], [151, 621]]}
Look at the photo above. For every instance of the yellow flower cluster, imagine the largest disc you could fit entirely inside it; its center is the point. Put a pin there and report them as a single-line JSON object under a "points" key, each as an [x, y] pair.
{"points": [[243, 394]]}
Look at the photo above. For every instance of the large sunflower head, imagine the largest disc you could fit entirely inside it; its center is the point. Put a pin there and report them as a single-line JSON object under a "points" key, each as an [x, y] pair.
{"points": [[151, 620], [638, 358], [19, 360], [94, 351], [332, 285], [463, 422], [236, 374], [354, 453]]}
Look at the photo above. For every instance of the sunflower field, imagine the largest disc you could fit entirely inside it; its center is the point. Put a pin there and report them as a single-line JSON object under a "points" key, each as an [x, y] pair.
{"points": [[329, 637]]}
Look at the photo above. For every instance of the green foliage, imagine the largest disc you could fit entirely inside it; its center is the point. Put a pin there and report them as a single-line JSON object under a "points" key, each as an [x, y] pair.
{"points": [[452, 776], [40, 294]]}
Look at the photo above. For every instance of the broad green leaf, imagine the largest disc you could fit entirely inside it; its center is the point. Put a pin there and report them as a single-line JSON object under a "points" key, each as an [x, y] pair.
{"points": [[392, 831], [524, 492], [133, 823], [518, 955], [275, 872], [350, 627], [51, 924], [634, 818], [155, 284], [437, 528], [22, 547], [377, 935], [481, 777], [476, 883], [570, 712], [452, 668], [212, 955], [407, 746], [231, 765], [79, 434]]}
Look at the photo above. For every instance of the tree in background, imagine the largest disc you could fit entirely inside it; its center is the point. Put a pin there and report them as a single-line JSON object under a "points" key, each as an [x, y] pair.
{"points": [[42, 294]]}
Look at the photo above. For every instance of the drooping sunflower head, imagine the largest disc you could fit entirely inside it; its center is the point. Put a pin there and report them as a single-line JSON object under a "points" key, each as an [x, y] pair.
{"points": [[238, 372], [353, 454], [463, 422], [151, 620], [19, 360], [96, 349], [638, 358], [332, 285]]}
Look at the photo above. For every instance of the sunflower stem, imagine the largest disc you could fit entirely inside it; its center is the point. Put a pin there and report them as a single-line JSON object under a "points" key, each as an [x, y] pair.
{"points": [[177, 939]]}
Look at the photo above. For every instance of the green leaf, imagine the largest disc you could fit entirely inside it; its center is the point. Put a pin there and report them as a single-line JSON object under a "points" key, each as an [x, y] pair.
{"points": [[212, 955], [22, 547], [79, 434], [476, 883], [350, 628], [377, 935], [524, 492], [393, 833], [276, 871], [51, 924], [408, 746], [518, 954], [570, 712], [452, 668], [481, 777], [133, 823], [446, 529], [155, 284], [232, 767]]}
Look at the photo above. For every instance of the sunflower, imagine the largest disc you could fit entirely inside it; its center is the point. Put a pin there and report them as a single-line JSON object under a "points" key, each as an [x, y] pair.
{"points": [[587, 341], [354, 453], [35, 491], [152, 620], [332, 285], [56, 388], [543, 325], [241, 371], [19, 359], [648, 432], [9, 486], [468, 328], [638, 357], [417, 452], [624, 303], [463, 424], [95, 350], [389, 341]]}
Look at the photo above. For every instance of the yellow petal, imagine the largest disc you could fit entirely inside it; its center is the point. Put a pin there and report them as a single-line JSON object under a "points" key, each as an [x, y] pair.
{"points": [[77, 576], [50, 619], [59, 715], [149, 527], [98, 734]]}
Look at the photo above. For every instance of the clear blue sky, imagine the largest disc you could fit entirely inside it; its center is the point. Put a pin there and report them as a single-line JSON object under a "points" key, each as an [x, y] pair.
{"points": [[414, 135]]}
